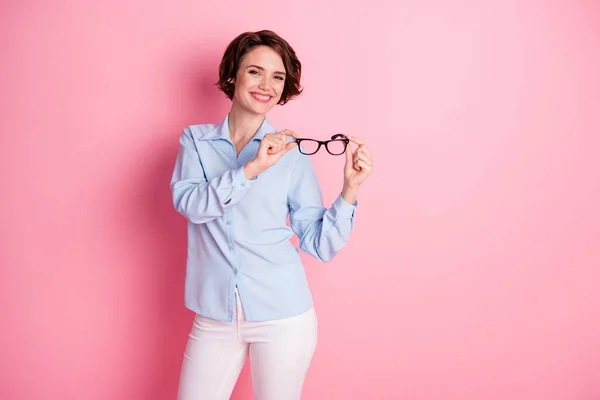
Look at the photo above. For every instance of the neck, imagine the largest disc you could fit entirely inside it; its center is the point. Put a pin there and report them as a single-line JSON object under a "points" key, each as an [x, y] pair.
{"points": [[243, 124]]}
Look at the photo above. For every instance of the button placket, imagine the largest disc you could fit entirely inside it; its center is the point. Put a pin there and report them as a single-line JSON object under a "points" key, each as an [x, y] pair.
{"points": [[230, 242], [229, 216]]}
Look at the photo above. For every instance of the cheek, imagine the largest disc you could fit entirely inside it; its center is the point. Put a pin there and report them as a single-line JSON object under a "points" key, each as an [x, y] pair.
{"points": [[247, 83], [241, 86], [279, 86]]}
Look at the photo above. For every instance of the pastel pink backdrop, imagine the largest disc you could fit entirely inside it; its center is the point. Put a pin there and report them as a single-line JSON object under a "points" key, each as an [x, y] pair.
{"points": [[473, 269]]}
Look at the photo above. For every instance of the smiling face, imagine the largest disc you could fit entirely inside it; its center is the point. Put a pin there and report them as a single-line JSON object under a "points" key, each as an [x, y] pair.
{"points": [[260, 80]]}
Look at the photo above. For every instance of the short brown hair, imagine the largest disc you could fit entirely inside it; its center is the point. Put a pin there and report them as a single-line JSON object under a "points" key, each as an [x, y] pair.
{"points": [[245, 42]]}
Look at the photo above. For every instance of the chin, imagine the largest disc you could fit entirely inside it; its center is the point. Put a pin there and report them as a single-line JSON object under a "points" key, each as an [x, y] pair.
{"points": [[262, 108]]}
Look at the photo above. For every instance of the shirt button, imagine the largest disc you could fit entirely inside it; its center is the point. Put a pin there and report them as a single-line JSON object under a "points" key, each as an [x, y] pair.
{"points": [[229, 222], [235, 270], [230, 247]]}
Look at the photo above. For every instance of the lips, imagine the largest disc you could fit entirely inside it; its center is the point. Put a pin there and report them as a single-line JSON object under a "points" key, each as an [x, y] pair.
{"points": [[263, 98]]}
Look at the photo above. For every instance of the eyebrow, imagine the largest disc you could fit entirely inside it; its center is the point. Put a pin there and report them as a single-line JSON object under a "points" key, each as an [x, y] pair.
{"points": [[262, 69]]}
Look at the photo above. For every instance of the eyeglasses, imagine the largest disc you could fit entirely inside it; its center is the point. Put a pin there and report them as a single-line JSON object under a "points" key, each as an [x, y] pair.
{"points": [[336, 146]]}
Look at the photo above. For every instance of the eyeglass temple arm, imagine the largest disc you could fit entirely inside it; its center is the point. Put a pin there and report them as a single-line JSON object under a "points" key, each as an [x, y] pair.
{"points": [[339, 135]]}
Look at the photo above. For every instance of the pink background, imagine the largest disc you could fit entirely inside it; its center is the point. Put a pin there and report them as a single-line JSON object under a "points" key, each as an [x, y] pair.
{"points": [[473, 272]]}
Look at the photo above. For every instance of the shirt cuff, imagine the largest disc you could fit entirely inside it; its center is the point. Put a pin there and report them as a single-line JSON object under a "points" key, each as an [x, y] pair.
{"points": [[239, 184], [343, 208], [240, 180]]}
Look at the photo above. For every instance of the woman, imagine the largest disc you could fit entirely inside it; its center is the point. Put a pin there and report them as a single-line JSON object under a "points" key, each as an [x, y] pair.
{"points": [[236, 183]]}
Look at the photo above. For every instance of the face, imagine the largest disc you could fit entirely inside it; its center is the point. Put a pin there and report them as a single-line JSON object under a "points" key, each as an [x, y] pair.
{"points": [[260, 80]]}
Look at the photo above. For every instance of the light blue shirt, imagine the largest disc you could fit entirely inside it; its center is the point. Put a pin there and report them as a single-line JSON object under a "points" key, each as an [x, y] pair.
{"points": [[238, 236]]}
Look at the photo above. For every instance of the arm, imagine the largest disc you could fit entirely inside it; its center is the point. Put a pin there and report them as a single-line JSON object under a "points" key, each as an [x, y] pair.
{"points": [[322, 232], [198, 199]]}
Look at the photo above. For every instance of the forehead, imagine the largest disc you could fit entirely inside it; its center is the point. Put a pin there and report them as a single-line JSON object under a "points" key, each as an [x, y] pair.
{"points": [[265, 57]]}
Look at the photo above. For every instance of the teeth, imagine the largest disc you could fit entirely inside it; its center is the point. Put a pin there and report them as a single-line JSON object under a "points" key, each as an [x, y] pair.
{"points": [[265, 98]]}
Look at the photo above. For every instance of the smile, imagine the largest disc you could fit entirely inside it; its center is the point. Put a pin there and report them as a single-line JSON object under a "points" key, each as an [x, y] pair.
{"points": [[263, 98]]}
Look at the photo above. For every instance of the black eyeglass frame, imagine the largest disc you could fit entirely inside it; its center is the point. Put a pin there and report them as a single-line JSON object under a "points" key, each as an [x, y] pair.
{"points": [[338, 137]]}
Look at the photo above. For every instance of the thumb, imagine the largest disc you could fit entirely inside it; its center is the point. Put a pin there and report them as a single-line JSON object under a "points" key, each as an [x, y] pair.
{"points": [[290, 146], [348, 157]]}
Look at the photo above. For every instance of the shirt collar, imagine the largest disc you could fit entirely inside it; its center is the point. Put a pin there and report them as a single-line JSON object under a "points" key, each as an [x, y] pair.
{"points": [[221, 130]]}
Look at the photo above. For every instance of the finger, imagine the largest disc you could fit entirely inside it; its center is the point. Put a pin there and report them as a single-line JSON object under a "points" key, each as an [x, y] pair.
{"points": [[269, 136], [268, 141], [361, 166], [359, 150], [273, 146], [281, 139], [288, 132], [362, 157], [365, 150], [276, 142], [356, 140], [290, 146]]}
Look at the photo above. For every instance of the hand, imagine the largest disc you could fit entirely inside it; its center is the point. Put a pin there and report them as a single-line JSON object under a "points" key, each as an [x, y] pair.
{"points": [[358, 167], [272, 147]]}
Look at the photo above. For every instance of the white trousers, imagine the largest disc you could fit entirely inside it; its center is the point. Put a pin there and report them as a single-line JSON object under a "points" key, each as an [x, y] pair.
{"points": [[280, 353]]}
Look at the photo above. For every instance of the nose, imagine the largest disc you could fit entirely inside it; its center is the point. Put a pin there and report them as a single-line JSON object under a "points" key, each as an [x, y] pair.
{"points": [[264, 84]]}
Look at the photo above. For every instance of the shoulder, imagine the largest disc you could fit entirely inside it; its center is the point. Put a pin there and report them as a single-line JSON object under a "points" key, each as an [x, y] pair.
{"points": [[192, 134], [199, 131]]}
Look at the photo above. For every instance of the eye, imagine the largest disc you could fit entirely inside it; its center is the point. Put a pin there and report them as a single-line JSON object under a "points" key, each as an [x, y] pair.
{"points": [[280, 78], [253, 72]]}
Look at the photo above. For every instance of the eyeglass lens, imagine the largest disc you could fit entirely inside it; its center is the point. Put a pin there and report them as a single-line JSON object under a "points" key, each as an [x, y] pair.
{"points": [[336, 147]]}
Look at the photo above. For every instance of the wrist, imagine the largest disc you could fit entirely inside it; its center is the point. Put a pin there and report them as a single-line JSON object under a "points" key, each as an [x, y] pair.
{"points": [[252, 170], [349, 194]]}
